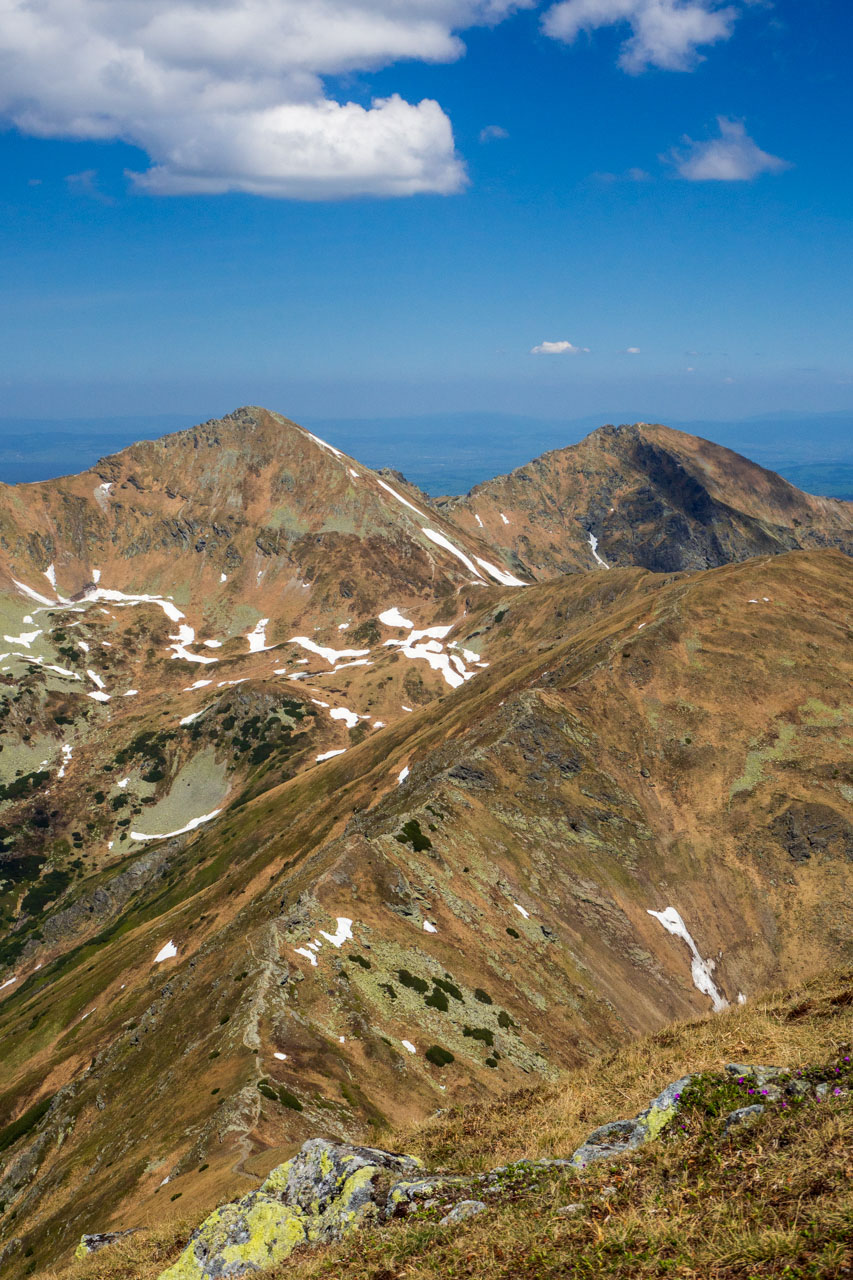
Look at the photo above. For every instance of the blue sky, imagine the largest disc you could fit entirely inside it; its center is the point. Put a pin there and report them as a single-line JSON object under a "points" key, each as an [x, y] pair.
{"points": [[633, 189]]}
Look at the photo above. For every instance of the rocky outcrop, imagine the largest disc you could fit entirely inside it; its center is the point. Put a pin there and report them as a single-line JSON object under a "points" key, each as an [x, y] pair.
{"points": [[323, 1192]]}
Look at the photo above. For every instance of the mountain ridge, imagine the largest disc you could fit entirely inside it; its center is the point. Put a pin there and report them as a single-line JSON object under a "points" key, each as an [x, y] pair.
{"points": [[514, 824]]}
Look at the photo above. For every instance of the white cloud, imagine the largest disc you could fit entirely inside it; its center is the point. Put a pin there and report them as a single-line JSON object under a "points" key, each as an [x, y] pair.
{"points": [[492, 133], [561, 348], [229, 95], [632, 351], [733, 157], [664, 33]]}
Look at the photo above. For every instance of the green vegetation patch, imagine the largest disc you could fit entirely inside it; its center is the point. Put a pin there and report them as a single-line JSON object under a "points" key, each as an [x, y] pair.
{"points": [[24, 1123], [410, 833], [412, 982], [438, 1056], [479, 1033]]}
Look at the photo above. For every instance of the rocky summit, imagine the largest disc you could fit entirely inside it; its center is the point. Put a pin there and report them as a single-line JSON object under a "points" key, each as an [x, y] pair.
{"points": [[325, 807]]}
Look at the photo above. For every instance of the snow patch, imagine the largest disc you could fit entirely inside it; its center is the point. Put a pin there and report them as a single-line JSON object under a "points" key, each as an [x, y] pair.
{"points": [[520, 909], [95, 678], [400, 498], [123, 783], [341, 935], [479, 521], [503, 517], [166, 953], [96, 576], [98, 696], [324, 445], [327, 755], [8, 982], [282, 1057], [196, 715], [67, 752], [403, 775], [349, 718], [440, 540], [323, 651], [407, 1044], [429, 928], [500, 575], [593, 542], [309, 955], [257, 638], [168, 835], [700, 969], [50, 574], [394, 618]]}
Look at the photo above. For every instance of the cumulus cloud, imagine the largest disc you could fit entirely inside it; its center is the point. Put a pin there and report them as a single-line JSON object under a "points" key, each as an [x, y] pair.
{"points": [[732, 157], [230, 95], [562, 348], [492, 133], [664, 33]]}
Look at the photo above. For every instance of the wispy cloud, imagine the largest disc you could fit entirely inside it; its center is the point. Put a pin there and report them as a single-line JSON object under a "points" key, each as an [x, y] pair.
{"points": [[86, 184], [493, 133], [732, 157], [632, 351], [664, 33], [561, 348]]}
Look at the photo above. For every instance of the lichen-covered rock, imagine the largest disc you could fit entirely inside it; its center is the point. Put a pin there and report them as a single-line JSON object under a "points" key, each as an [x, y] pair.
{"points": [[760, 1075], [619, 1136], [315, 1198], [256, 1232], [100, 1240], [744, 1117], [464, 1209]]}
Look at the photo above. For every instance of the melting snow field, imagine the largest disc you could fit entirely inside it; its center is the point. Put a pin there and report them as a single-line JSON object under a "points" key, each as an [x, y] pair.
{"points": [[323, 651], [168, 835], [403, 775], [349, 718], [407, 1044], [593, 542], [394, 618], [440, 540], [257, 638], [327, 755], [166, 953], [429, 928], [521, 910], [701, 969], [343, 933], [66, 759]]}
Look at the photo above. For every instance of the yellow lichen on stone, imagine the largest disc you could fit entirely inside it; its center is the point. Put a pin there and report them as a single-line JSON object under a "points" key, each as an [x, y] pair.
{"points": [[268, 1232], [82, 1251], [657, 1120], [276, 1180]]}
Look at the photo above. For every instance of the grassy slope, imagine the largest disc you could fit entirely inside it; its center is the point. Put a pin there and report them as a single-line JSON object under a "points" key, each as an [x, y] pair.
{"points": [[773, 1202]]}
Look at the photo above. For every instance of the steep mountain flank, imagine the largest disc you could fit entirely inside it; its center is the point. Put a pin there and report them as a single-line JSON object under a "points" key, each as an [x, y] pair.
{"points": [[591, 839], [649, 496]]}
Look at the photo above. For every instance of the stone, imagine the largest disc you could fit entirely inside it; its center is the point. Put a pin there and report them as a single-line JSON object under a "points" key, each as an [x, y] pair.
{"points": [[798, 1088], [621, 1136], [761, 1075], [464, 1209], [326, 1190], [100, 1240], [743, 1117], [571, 1210]]}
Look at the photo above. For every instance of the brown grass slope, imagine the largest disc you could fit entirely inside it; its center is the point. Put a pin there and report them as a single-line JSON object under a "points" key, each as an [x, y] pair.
{"points": [[769, 1203], [639, 742]]}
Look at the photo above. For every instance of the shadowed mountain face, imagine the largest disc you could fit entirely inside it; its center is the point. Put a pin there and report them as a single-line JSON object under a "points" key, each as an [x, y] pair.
{"points": [[315, 836], [651, 496]]}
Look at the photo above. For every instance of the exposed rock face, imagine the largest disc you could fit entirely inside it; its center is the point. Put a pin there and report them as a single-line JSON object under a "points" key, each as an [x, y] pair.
{"points": [[324, 1191], [94, 1243]]}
